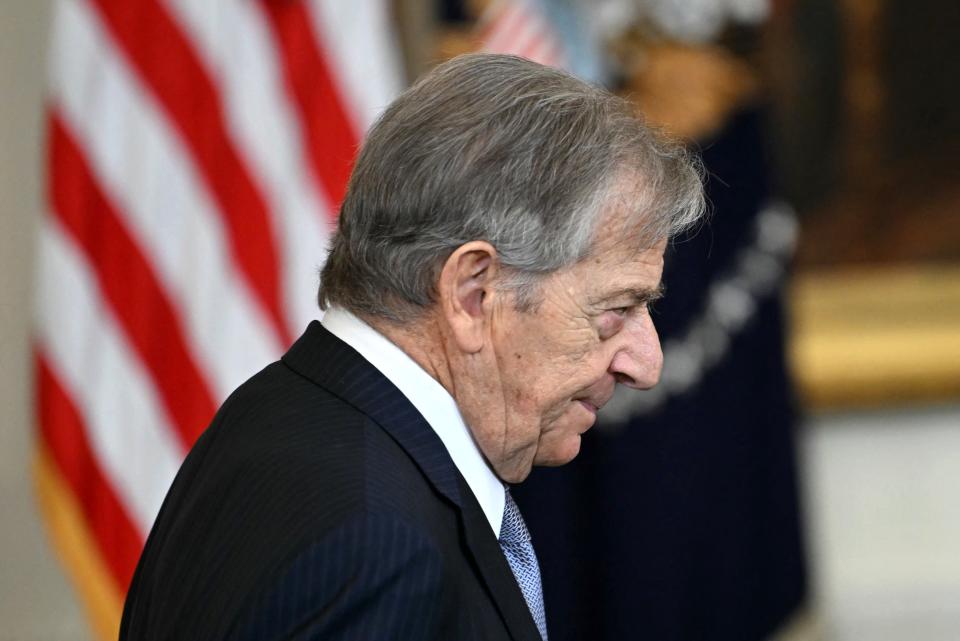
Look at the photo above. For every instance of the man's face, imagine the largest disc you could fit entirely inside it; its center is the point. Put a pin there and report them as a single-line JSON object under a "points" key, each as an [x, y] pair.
{"points": [[550, 369]]}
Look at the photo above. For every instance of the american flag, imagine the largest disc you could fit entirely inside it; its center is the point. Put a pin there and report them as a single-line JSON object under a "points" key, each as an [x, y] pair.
{"points": [[521, 28], [197, 151]]}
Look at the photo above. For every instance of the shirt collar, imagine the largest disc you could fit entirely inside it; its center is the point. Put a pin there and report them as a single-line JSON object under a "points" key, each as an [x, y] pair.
{"points": [[432, 401]]}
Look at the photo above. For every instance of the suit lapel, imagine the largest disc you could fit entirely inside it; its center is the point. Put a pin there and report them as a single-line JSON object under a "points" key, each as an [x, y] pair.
{"points": [[496, 572], [338, 368], [329, 362]]}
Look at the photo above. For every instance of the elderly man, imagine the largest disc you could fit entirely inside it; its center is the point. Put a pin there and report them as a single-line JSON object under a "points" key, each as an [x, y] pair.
{"points": [[488, 286]]}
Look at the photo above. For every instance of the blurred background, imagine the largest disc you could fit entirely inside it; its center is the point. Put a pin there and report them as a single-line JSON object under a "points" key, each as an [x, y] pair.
{"points": [[169, 172]]}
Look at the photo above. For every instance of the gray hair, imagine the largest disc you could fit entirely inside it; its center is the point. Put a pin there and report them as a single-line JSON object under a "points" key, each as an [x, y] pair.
{"points": [[497, 148]]}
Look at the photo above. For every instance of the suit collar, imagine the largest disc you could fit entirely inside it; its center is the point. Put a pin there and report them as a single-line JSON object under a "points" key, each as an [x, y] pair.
{"points": [[329, 362], [431, 399]]}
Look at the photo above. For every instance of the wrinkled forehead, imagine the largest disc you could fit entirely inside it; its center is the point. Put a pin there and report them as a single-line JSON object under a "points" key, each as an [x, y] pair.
{"points": [[628, 223], [620, 273]]}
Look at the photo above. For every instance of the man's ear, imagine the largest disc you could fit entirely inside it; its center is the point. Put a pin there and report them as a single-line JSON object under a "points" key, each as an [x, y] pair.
{"points": [[465, 290]]}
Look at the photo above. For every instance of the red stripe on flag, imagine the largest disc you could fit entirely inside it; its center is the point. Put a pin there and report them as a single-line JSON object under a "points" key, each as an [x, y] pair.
{"points": [[128, 283], [62, 429], [501, 31], [331, 141], [168, 64], [520, 29], [532, 46]]}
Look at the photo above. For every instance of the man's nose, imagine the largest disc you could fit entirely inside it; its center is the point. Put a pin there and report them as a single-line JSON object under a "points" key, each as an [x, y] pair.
{"points": [[639, 359]]}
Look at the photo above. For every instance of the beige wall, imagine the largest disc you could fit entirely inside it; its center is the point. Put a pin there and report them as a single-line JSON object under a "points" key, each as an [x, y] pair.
{"points": [[36, 601], [883, 513]]}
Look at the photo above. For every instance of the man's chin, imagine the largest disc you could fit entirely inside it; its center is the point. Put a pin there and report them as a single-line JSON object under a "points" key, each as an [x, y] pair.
{"points": [[559, 453]]}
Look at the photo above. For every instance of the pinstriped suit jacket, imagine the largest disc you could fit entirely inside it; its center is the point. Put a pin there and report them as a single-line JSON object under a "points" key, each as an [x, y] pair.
{"points": [[319, 504]]}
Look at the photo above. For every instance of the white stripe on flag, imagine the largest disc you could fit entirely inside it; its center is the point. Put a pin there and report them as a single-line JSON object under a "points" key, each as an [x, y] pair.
{"points": [[144, 168], [127, 428], [359, 42], [506, 19], [519, 27], [243, 61]]}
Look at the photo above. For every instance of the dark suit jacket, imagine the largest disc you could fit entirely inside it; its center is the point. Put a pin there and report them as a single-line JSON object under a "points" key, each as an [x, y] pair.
{"points": [[319, 504]]}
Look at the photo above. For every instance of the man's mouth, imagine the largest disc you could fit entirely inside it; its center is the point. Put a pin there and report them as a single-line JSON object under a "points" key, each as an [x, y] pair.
{"points": [[594, 402], [589, 406]]}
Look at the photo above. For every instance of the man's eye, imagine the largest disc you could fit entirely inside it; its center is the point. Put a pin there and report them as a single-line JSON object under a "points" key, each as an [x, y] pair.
{"points": [[612, 321]]}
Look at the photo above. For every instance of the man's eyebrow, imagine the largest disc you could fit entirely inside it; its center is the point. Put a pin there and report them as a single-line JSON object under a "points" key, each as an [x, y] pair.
{"points": [[638, 296]]}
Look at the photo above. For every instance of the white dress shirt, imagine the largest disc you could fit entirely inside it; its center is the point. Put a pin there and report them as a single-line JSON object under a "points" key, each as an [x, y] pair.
{"points": [[433, 402]]}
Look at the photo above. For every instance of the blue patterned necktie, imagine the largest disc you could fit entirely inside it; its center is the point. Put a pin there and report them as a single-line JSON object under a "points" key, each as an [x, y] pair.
{"points": [[515, 541]]}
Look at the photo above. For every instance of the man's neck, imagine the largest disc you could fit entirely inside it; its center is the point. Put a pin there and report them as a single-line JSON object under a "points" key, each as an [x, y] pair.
{"points": [[422, 340]]}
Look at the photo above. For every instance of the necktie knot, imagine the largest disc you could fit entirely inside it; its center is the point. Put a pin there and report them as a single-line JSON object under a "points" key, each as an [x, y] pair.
{"points": [[517, 548]]}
